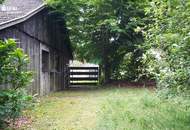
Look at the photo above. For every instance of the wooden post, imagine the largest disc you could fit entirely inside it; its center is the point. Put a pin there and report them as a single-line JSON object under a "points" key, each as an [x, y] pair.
{"points": [[99, 75]]}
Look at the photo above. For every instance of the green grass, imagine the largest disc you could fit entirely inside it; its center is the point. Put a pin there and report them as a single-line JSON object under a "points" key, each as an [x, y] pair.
{"points": [[110, 109]]}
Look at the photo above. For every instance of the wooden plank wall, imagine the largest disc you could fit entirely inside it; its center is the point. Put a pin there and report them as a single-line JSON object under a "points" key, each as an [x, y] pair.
{"points": [[31, 48], [38, 30]]}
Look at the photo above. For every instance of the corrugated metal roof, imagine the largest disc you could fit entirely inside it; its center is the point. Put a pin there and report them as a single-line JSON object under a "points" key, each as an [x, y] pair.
{"points": [[14, 9]]}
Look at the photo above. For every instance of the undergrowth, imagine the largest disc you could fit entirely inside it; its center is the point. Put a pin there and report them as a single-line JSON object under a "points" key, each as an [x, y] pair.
{"points": [[144, 112]]}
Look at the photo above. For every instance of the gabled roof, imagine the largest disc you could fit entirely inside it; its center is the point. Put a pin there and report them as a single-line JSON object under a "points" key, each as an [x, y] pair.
{"points": [[16, 11]]}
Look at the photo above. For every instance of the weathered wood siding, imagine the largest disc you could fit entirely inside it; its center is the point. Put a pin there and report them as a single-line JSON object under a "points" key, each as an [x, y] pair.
{"points": [[42, 32]]}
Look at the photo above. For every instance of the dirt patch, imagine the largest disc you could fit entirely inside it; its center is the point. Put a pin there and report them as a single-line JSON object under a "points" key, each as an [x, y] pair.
{"points": [[18, 123]]}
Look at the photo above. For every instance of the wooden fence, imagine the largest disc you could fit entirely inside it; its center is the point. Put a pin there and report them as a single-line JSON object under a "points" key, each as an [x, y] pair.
{"points": [[84, 75]]}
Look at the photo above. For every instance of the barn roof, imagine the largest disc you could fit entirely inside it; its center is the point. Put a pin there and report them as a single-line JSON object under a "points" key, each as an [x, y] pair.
{"points": [[15, 11]]}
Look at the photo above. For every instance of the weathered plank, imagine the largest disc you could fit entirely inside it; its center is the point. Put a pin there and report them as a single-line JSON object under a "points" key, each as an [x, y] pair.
{"points": [[83, 78], [84, 68], [83, 73], [87, 83]]}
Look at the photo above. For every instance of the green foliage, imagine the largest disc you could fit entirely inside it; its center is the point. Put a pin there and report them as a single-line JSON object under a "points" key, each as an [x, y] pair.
{"points": [[127, 70], [104, 31], [110, 33], [168, 45], [12, 103], [13, 65], [13, 72], [1, 1]]}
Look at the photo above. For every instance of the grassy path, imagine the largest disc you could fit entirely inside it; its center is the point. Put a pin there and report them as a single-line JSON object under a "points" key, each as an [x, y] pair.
{"points": [[69, 110], [109, 109]]}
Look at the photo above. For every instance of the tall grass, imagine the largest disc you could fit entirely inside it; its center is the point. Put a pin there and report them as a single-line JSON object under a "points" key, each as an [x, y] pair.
{"points": [[144, 112]]}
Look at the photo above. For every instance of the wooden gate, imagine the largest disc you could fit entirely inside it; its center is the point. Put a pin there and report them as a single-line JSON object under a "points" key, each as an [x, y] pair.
{"points": [[84, 76]]}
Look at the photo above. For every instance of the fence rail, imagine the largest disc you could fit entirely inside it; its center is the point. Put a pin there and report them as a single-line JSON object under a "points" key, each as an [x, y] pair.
{"points": [[84, 75], [84, 68]]}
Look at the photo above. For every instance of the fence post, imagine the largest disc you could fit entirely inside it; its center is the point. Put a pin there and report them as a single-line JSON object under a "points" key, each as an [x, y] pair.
{"points": [[67, 76], [99, 75]]}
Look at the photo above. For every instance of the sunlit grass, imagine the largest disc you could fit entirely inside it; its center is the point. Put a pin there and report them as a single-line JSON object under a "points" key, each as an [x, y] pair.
{"points": [[109, 109]]}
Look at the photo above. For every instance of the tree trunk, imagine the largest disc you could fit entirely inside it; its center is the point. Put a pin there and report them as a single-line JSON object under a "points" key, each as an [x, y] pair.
{"points": [[105, 50], [107, 73]]}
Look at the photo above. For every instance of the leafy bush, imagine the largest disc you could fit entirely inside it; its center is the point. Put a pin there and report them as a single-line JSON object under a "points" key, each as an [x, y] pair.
{"points": [[128, 68], [1, 1], [12, 103], [168, 46], [13, 71]]}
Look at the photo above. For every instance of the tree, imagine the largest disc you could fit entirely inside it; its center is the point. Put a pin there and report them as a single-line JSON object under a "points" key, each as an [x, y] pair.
{"points": [[117, 36], [104, 31]]}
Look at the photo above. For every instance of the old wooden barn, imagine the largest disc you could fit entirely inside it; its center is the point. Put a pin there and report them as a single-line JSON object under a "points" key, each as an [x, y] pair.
{"points": [[43, 36]]}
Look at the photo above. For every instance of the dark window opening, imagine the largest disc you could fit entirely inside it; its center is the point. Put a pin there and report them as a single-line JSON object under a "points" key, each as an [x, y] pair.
{"points": [[45, 61], [57, 63]]}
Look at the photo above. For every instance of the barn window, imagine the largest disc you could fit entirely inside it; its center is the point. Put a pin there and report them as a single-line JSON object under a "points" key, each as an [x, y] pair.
{"points": [[45, 61]]}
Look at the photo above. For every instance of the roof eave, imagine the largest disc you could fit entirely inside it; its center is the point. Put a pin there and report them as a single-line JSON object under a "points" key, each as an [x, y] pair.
{"points": [[22, 18]]}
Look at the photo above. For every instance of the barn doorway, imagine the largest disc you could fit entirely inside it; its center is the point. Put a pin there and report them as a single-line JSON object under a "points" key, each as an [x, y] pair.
{"points": [[45, 72]]}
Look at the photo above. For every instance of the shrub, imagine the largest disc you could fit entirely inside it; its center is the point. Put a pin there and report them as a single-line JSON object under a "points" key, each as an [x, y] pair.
{"points": [[13, 71], [168, 46], [12, 103]]}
